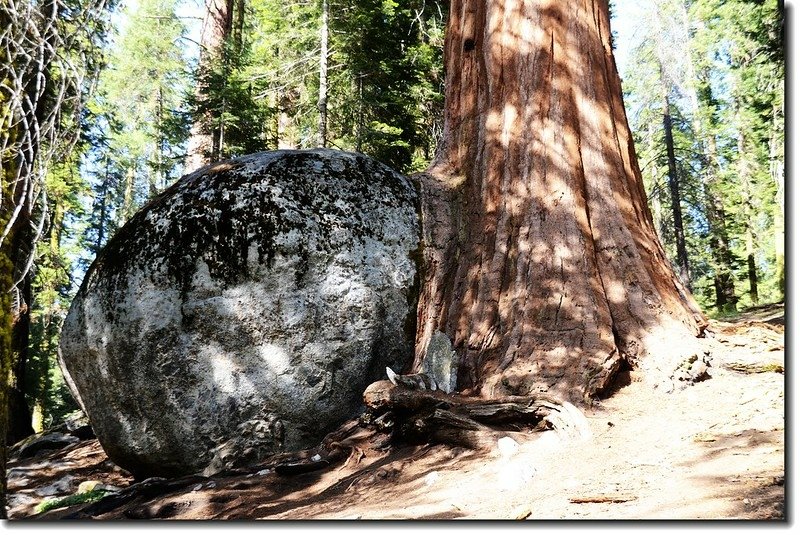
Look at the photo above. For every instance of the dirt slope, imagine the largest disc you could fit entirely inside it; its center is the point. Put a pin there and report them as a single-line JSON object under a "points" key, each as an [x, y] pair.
{"points": [[712, 451]]}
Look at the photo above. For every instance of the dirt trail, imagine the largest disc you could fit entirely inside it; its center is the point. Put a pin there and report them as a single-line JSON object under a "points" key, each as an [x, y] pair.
{"points": [[714, 450]]}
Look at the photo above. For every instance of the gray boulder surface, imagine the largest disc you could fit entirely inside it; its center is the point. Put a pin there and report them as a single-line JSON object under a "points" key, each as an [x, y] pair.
{"points": [[262, 293]]}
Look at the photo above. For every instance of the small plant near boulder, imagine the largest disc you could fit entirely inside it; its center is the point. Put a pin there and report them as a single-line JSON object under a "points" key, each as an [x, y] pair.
{"points": [[82, 497]]}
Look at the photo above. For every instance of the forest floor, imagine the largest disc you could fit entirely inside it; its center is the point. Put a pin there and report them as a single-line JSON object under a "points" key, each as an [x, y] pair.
{"points": [[714, 450]]}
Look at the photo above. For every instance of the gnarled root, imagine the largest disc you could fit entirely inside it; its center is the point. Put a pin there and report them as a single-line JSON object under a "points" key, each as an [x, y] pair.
{"points": [[472, 422]]}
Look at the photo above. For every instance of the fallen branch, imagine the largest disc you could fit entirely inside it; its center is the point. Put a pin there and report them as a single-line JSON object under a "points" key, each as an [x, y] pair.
{"points": [[602, 499]]}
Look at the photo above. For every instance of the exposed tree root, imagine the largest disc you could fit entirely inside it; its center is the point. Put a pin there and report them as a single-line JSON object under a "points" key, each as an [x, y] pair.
{"points": [[336, 447], [472, 422]]}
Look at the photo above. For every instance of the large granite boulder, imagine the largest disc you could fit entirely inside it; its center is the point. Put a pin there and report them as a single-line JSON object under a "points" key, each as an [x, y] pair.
{"points": [[245, 310]]}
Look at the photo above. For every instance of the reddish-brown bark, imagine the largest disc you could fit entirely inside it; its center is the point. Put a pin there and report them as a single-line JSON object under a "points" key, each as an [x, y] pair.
{"points": [[541, 259], [205, 137]]}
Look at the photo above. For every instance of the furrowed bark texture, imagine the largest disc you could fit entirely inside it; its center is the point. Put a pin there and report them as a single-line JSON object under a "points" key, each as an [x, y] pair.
{"points": [[541, 259]]}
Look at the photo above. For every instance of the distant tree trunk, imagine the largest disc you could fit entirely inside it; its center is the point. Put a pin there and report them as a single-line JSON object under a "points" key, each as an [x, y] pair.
{"points": [[219, 151], [675, 196], [322, 101], [541, 262], [238, 35], [360, 121], [777, 172], [159, 181], [205, 130], [127, 197], [101, 224], [286, 108], [722, 258], [749, 234]]}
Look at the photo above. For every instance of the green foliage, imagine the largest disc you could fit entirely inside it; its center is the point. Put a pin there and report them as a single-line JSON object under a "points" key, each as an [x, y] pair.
{"points": [[129, 149], [224, 101], [56, 503], [139, 119], [53, 286], [744, 37], [140, 104], [392, 51], [722, 65], [385, 76]]}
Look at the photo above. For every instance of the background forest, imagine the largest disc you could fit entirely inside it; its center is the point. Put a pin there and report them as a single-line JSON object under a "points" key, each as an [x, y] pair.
{"points": [[117, 91]]}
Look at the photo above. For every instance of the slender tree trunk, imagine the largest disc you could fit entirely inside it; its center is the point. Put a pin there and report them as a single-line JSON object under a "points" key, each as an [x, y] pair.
{"points": [[219, 145], [360, 124], [284, 134], [127, 198], [101, 224], [541, 262], [238, 34], [777, 172], [750, 239], [205, 130], [322, 101], [675, 196], [722, 258], [160, 181]]}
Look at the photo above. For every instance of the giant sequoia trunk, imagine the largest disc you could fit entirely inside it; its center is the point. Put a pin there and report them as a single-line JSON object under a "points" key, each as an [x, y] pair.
{"points": [[541, 260]]}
